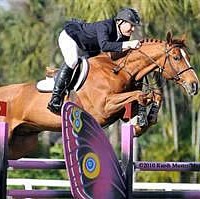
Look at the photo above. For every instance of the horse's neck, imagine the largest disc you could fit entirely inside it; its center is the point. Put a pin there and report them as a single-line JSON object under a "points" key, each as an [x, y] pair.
{"points": [[102, 61], [145, 59], [138, 63]]}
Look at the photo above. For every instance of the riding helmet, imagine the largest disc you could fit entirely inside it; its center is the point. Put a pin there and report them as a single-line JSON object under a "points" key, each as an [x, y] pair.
{"points": [[130, 15]]}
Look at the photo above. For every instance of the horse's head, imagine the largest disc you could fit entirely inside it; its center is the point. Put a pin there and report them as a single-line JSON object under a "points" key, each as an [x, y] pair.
{"points": [[169, 57], [175, 66]]}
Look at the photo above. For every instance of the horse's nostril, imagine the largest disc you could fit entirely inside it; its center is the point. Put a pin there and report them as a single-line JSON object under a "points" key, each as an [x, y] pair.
{"points": [[195, 87]]}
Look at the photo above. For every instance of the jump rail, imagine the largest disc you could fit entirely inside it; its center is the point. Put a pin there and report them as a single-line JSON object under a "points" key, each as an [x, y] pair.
{"points": [[29, 163], [135, 194]]}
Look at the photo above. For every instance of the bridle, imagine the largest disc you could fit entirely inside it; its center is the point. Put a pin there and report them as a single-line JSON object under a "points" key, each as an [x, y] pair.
{"points": [[161, 68], [176, 77]]}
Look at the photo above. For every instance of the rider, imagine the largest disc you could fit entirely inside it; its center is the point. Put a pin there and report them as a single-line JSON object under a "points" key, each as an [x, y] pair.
{"points": [[88, 39]]}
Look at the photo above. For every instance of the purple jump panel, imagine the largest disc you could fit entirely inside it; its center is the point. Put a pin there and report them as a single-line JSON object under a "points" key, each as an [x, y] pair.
{"points": [[166, 166], [39, 193], [36, 164], [93, 167]]}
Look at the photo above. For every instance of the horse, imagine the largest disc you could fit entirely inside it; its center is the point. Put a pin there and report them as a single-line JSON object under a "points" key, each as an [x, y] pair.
{"points": [[113, 81]]}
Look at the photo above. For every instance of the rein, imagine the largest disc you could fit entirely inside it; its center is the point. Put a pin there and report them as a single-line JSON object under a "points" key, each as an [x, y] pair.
{"points": [[117, 68]]}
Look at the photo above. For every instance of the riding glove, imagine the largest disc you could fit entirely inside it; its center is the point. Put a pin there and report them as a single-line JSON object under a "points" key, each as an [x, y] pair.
{"points": [[134, 44]]}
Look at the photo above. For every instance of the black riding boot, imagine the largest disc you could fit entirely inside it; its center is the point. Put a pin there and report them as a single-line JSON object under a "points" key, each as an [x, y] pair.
{"points": [[61, 83]]}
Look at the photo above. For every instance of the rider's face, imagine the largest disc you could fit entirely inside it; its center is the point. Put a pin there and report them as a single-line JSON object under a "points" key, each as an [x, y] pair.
{"points": [[127, 29]]}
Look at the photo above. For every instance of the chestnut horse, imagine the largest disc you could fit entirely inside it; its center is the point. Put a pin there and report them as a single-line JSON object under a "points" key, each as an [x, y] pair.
{"points": [[111, 83]]}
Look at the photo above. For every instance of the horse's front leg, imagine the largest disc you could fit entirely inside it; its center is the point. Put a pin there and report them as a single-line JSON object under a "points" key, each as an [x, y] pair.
{"points": [[116, 102], [155, 107], [152, 114]]}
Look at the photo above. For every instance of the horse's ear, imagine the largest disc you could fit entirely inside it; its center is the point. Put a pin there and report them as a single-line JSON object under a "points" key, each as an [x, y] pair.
{"points": [[169, 37]]}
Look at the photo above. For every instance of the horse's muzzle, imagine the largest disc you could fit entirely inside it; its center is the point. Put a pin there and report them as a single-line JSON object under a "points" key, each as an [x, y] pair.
{"points": [[192, 88]]}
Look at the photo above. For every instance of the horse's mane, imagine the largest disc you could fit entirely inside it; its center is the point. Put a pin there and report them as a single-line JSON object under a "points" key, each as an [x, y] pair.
{"points": [[179, 42], [151, 40], [171, 42]]}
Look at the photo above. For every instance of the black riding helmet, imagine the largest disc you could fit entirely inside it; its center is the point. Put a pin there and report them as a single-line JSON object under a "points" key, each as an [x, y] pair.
{"points": [[130, 15]]}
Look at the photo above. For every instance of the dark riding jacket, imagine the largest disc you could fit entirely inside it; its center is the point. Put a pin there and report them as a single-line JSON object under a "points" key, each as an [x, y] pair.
{"points": [[95, 37]]}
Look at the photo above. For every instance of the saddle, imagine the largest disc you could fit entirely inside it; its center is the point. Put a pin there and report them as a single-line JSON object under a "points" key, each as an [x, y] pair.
{"points": [[78, 78]]}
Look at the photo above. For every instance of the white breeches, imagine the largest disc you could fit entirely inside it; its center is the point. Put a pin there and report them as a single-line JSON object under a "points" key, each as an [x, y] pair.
{"points": [[70, 50]]}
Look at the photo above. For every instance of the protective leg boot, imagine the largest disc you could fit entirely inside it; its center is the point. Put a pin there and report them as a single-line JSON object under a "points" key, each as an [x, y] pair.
{"points": [[142, 116], [61, 84]]}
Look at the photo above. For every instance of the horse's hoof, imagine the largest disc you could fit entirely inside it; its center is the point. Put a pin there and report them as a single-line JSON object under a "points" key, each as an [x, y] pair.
{"points": [[142, 121], [153, 113]]}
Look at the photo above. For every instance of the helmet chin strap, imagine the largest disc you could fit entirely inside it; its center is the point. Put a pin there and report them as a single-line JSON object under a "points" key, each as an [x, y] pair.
{"points": [[118, 25], [125, 38]]}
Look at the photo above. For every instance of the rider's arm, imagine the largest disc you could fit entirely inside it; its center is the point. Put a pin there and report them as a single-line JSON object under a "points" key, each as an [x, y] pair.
{"points": [[114, 46], [103, 36]]}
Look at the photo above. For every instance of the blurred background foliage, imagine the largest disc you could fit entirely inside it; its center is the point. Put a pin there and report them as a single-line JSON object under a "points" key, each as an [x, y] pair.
{"points": [[28, 43]]}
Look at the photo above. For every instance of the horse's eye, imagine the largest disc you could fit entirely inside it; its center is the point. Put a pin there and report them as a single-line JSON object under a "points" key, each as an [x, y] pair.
{"points": [[177, 58]]}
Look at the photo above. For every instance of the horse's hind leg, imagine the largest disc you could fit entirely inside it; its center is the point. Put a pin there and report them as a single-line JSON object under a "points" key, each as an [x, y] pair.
{"points": [[21, 145]]}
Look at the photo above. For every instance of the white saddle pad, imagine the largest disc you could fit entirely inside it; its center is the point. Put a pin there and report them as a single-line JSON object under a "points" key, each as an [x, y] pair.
{"points": [[47, 84]]}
